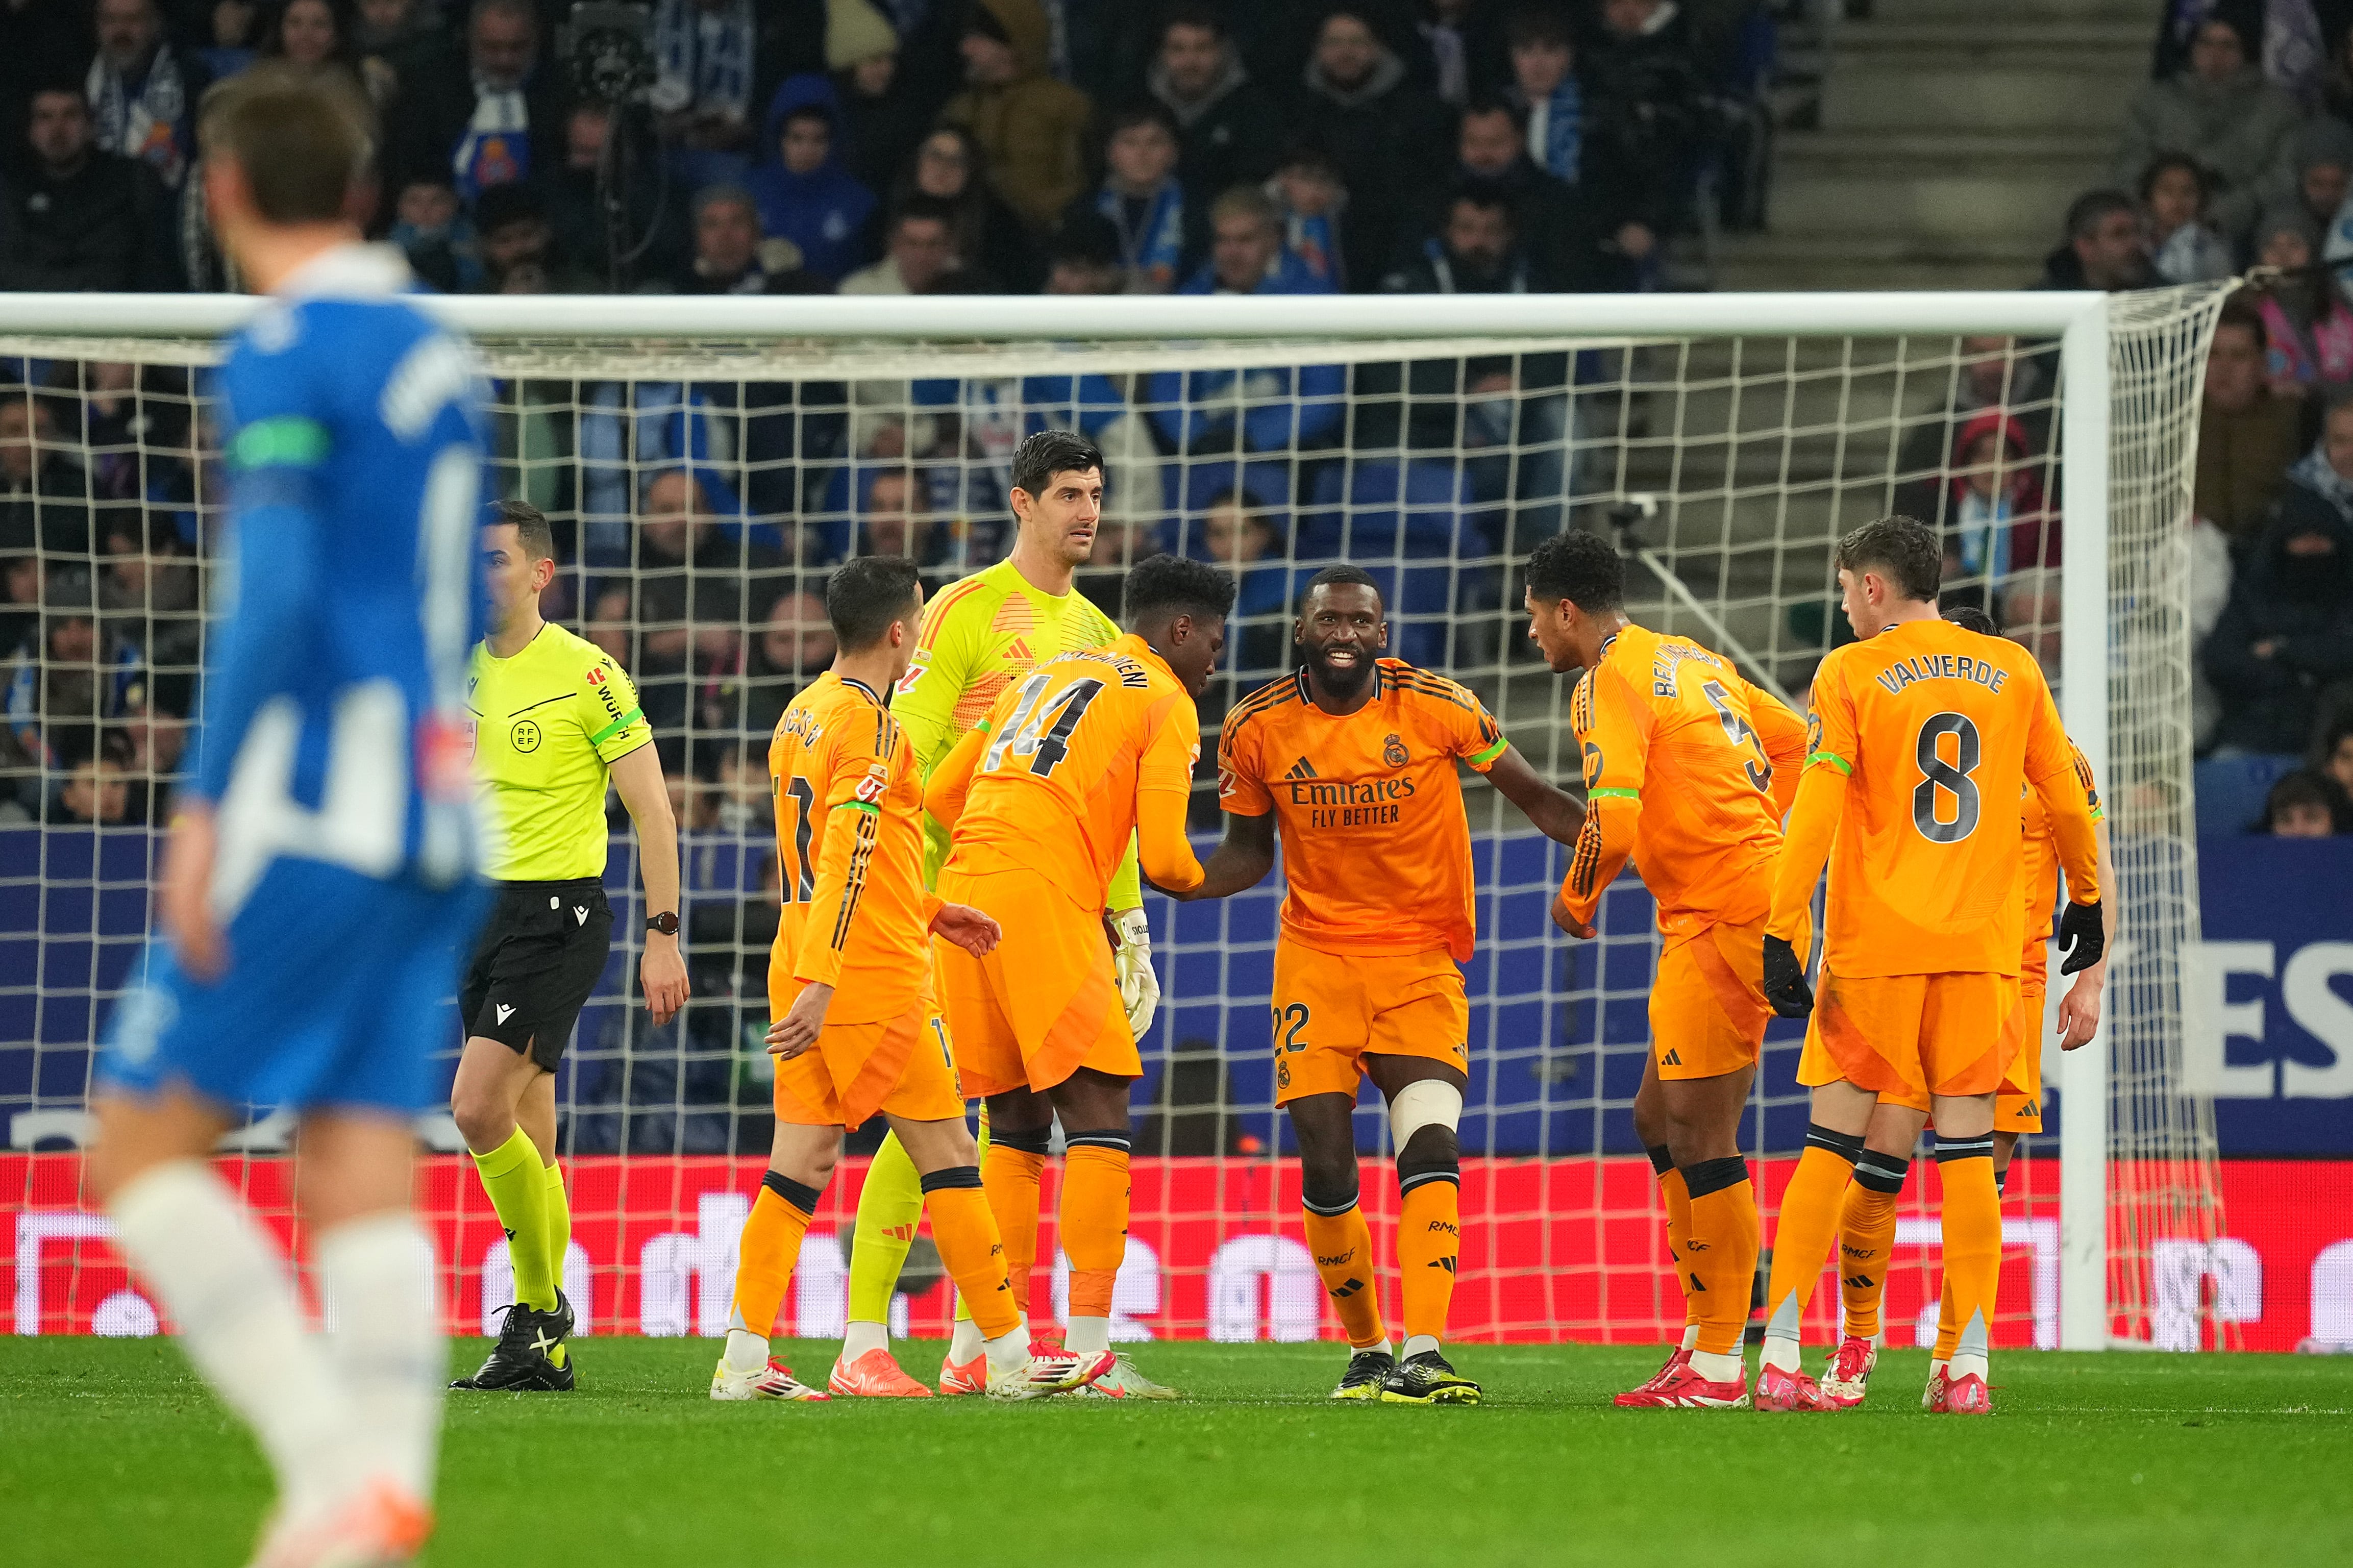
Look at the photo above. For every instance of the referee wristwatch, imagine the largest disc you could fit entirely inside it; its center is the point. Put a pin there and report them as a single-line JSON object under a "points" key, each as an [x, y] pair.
{"points": [[665, 922]]}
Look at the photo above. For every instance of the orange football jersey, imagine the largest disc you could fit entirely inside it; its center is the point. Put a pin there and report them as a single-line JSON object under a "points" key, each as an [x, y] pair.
{"points": [[1376, 845], [2038, 876], [1064, 753], [1941, 732], [1687, 767], [849, 853]]}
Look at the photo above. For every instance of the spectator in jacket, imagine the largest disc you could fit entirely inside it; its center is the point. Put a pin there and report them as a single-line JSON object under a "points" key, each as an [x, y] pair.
{"points": [[1312, 207], [950, 171], [2107, 247], [1388, 136], [81, 217], [1475, 251], [804, 192], [489, 113], [1143, 199], [2306, 319], [1272, 409], [1032, 129], [1643, 134], [919, 251], [1559, 227], [143, 95], [1228, 129], [2246, 433], [2219, 110], [653, 225], [1085, 258], [730, 256], [2283, 652], [2182, 249], [1544, 89]]}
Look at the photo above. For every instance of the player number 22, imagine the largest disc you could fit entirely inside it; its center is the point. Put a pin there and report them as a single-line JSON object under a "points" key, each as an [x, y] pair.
{"points": [[1288, 1022], [1027, 736], [1941, 779]]}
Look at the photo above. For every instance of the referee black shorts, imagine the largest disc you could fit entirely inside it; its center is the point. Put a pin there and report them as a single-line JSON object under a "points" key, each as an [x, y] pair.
{"points": [[540, 955]]}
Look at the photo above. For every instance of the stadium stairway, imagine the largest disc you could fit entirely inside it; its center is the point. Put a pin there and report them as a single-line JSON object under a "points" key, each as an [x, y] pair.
{"points": [[1952, 135]]}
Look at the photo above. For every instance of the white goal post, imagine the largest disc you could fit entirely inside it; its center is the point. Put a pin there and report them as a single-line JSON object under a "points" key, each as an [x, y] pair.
{"points": [[2129, 381]]}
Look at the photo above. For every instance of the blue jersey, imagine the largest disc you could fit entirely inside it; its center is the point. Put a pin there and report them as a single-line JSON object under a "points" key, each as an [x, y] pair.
{"points": [[335, 701], [334, 740]]}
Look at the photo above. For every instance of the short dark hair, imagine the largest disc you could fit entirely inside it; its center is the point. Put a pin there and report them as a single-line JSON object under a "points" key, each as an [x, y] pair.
{"points": [[1485, 195], [1970, 618], [1166, 584], [2165, 161], [1536, 24], [864, 596], [303, 142], [2088, 211], [1486, 103], [1189, 15], [1344, 576], [2239, 311], [1901, 549], [1086, 239], [1050, 452], [931, 209], [1142, 112], [1580, 567], [538, 541], [2305, 787]]}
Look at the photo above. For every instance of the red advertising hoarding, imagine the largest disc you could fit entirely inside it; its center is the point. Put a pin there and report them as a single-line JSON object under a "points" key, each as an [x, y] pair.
{"points": [[1560, 1249]]}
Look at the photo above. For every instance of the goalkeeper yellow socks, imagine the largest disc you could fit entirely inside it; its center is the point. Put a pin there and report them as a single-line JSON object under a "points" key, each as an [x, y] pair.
{"points": [[512, 1176], [559, 1236], [890, 1207]]}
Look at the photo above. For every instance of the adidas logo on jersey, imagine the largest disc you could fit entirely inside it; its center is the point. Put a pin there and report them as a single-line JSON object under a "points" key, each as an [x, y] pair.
{"points": [[1302, 769], [1673, 1058]]}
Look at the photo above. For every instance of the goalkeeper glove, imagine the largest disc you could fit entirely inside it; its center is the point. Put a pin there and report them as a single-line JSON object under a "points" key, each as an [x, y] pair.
{"points": [[1139, 988], [1785, 980], [2083, 936]]}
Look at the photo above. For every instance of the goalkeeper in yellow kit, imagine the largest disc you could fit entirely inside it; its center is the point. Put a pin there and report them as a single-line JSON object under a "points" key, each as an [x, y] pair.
{"points": [[978, 637]]}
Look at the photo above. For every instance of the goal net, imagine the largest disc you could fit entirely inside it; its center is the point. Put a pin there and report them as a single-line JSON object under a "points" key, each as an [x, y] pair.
{"points": [[705, 463]]}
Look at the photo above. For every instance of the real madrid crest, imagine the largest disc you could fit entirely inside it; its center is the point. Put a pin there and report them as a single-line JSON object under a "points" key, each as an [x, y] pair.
{"points": [[1393, 752]]}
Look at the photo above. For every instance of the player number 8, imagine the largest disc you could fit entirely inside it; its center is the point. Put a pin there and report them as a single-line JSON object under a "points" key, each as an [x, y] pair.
{"points": [[1939, 776]]}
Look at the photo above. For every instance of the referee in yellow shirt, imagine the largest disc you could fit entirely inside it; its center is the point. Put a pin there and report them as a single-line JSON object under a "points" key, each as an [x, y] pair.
{"points": [[555, 718]]}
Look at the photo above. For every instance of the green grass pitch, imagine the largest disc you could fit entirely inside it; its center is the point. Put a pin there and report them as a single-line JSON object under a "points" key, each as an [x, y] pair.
{"points": [[111, 1452]]}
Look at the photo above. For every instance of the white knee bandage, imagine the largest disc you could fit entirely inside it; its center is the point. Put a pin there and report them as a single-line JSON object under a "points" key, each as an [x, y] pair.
{"points": [[1425, 1102]]}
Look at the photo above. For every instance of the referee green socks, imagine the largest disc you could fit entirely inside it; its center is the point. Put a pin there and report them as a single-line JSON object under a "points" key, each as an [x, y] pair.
{"points": [[516, 1181]]}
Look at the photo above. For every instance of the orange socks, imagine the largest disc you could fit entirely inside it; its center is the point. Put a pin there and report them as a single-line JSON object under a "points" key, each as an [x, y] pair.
{"points": [[1430, 1236], [771, 1245], [1343, 1244], [1972, 1250], [1802, 1237], [1676, 1193], [1720, 1251], [966, 1233], [1009, 1171], [1095, 1229], [1867, 1237]]}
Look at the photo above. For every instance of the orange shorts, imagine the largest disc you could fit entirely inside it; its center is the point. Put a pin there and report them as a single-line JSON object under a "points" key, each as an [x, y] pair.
{"points": [[2018, 1103], [1045, 1003], [1330, 1011], [1708, 1010], [1907, 1037], [904, 1067]]}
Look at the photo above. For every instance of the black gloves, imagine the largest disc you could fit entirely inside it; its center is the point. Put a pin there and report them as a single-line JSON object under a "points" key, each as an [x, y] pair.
{"points": [[1785, 980], [2082, 937]]}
